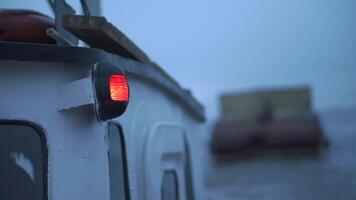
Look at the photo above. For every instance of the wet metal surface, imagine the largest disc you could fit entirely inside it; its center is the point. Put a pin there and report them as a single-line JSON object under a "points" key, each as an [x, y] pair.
{"points": [[328, 174]]}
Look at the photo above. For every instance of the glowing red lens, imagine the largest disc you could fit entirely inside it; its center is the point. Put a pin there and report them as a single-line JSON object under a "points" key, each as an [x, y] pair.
{"points": [[119, 90]]}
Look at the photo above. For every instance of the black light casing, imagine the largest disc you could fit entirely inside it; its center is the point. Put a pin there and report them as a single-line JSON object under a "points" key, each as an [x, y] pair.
{"points": [[105, 107]]}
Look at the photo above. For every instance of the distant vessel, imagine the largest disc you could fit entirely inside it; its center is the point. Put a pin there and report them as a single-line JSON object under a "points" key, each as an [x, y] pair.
{"points": [[264, 119]]}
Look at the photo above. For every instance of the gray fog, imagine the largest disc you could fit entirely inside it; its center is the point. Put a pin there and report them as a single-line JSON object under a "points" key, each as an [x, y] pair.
{"points": [[212, 47]]}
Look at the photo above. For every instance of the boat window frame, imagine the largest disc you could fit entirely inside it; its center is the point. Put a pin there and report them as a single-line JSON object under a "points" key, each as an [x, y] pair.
{"points": [[188, 171], [176, 183], [124, 157], [41, 133]]}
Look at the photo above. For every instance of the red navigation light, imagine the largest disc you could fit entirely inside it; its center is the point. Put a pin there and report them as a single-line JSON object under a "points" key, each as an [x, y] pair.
{"points": [[119, 90], [111, 91]]}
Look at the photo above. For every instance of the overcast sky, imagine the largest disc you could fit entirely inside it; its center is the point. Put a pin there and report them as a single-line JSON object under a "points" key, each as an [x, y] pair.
{"points": [[221, 46]]}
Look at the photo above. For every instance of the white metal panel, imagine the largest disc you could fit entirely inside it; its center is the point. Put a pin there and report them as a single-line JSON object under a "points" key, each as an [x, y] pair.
{"points": [[75, 94], [77, 146], [148, 106], [165, 151], [77, 141]]}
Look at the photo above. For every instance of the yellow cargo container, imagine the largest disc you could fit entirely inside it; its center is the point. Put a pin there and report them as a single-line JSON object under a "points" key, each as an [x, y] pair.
{"points": [[266, 104]]}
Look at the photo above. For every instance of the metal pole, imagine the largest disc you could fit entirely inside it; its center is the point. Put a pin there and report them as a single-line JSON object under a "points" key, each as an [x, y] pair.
{"points": [[94, 7]]}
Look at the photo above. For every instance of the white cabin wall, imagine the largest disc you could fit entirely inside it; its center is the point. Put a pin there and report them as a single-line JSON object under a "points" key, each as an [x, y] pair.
{"points": [[77, 148], [77, 142], [149, 105]]}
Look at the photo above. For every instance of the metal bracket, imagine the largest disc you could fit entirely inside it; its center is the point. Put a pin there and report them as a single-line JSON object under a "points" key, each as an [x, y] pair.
{"points": [[62, 36], [75, 94]]}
